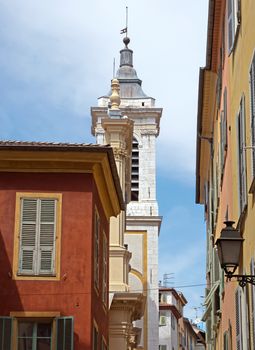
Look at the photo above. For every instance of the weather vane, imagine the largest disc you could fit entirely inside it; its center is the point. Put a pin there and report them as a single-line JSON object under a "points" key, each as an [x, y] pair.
{"points": [[125, 30]]}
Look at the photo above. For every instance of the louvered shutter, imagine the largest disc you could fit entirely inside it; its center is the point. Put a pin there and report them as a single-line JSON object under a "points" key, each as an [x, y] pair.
{"points": [[5, 333], [64, 338], [252, 266], [242, 144], [47, 233], [252, 94], [27, 256], [230, 25], [238, 319]]}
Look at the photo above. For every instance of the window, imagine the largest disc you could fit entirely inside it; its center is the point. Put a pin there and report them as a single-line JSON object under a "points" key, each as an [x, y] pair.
{"points": [[95, 337], [225, 341], [5, 333], [135, 171], [105, 270], [234, 19], [36, 333], [252, 95], [103, 344], [252, 267], [96, 249], [38, 226], [238, 303], [223, 132], [172, 321], [162, 318], [162, 347], [242, 157]]}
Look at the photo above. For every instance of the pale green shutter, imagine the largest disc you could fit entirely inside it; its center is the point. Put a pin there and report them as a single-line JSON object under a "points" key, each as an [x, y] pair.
{"points": [[64, 338], [238, 319], [252, 266], [252, 95], [5, 333], [47, 236], [27, 256]]}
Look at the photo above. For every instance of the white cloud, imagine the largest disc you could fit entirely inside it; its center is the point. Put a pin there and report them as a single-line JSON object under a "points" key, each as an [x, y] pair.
{"points": [[64, 50]]}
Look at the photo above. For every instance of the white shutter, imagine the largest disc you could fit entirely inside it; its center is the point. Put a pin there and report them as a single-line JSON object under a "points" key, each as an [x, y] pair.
{"points": [[27, 263], [238, 319], [47, 235]]}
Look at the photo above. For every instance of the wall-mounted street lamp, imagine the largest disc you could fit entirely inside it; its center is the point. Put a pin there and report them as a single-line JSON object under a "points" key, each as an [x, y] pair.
{"points": [[229, 247]]}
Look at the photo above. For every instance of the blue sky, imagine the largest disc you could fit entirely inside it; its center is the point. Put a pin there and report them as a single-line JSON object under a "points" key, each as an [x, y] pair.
{"points": [[56, 59]]}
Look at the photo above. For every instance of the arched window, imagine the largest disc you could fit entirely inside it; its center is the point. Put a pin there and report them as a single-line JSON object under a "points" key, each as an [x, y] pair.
{"points": [[135, 171]]}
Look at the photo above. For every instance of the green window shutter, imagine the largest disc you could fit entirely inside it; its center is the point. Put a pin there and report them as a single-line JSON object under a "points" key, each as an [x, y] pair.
{"points": [[47, 236], [238, 319], [252, 267], [5, 333], [27, 263], [64, 338], [252, 96]]}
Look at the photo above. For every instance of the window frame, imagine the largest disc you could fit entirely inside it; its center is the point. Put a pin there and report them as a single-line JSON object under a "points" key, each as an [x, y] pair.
{"points": [[105, 270], [242, 162], [233, 20], [96, 249], [17, 275], [252, 118]]}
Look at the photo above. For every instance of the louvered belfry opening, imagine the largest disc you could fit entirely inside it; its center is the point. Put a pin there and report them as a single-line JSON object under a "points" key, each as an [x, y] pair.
{"points": [[135, 171]]}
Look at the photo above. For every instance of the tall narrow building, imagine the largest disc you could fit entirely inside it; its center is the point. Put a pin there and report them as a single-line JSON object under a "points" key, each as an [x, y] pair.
{"points": [[142, 217]]}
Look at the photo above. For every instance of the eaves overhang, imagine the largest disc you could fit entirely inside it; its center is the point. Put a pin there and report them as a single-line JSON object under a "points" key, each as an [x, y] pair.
{"points": [[21, 156]]}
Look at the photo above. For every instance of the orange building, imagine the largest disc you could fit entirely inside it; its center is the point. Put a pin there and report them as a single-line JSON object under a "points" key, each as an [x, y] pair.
{"points": [[225, 166], [55, 204]]}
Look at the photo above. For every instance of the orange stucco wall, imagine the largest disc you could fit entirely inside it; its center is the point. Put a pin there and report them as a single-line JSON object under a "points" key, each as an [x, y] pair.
{"points": [[73, 294]]}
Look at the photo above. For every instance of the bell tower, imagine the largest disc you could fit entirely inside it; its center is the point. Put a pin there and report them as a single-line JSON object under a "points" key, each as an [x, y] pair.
{"points": [[142, 215]]}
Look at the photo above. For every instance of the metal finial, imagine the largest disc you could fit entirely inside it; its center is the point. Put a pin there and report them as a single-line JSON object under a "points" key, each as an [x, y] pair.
{"points": [[126, 40]]}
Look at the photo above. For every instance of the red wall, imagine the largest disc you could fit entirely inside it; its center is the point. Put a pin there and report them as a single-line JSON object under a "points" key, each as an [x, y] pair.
{"points": [[74, 294]]}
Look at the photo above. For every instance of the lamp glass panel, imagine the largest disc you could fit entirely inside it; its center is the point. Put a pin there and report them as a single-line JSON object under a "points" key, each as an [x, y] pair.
{"points": [[230, 251]]}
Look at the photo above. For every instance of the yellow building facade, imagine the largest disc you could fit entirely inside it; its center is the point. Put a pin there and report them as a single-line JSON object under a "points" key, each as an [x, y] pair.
{"points": [[225, 169]]}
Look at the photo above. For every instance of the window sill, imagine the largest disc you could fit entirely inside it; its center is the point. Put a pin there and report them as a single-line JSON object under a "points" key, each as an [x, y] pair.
{"points": [[27, 277]]}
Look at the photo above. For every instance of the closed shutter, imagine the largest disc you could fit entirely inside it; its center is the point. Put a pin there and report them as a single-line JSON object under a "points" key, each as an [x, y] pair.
{"points": [[252, 94], [242, 156], [230, 25], [37, 236], [252, 266], [28, 243], [5, 333], [64, 338], [47, 235], [238, 319]]}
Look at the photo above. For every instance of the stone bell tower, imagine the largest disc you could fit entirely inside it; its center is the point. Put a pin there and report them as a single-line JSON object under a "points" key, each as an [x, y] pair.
{"points": [[142, 217]]}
